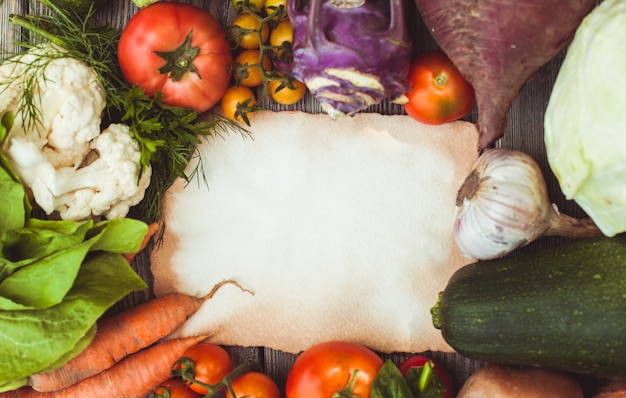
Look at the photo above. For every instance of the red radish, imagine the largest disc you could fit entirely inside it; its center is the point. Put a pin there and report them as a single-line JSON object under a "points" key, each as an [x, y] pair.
{"points": [[498, 44]]}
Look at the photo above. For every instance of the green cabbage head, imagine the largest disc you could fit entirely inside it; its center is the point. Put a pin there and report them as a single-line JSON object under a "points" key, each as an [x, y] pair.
{"points": [[585, 121]]}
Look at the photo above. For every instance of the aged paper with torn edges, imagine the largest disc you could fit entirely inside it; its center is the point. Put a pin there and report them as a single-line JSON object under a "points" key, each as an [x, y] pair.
{"points": [[335, 230]]}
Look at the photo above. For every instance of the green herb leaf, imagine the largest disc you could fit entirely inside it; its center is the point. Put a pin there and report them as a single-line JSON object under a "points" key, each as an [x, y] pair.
{"points": [[389, 383], [433, 388]]}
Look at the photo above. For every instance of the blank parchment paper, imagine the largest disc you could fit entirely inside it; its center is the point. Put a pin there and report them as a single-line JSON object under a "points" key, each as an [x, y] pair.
{"points": [[332, 229]]}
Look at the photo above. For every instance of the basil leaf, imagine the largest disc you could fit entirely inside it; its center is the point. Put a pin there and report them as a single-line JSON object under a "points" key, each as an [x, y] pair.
{"points": [[389, 383]]}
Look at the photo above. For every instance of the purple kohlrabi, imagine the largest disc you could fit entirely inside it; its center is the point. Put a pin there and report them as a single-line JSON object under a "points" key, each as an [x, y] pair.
{"points": [[350, 54]]}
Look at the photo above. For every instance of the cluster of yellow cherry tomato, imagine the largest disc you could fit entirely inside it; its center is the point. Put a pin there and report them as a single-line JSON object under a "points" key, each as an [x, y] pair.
{"points": [[264, 33]]}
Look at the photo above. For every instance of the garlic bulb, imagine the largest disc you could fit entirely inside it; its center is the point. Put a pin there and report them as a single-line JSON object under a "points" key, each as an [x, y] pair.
{"points": [[504, 204]]}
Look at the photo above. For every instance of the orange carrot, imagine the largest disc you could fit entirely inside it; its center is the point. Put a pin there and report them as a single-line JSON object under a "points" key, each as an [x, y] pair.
{"points": [[123, 334], [152, 229], [135, 376], [119, 336]]}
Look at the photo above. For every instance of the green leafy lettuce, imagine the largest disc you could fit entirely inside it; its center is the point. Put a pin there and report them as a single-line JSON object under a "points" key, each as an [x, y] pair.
{"points": [[57, 278]]}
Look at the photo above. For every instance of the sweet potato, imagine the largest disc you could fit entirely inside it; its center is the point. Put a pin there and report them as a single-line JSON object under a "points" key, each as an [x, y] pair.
{"points": [[498, 44]]}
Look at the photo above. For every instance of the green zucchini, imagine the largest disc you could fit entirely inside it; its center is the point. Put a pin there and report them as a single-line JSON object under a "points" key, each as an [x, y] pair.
{"points": [[562, 308]]}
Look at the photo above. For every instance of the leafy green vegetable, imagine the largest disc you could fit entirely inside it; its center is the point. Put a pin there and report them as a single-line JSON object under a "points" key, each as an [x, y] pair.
{"points": [[585, 119], [31, 340], [11, 202], [57, 278], [53, 276], [390, 383], [419, 382], [424, 382]]}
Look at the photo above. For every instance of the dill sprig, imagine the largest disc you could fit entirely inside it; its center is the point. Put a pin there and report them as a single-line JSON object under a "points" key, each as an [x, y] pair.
{"points": [[168, 136]]}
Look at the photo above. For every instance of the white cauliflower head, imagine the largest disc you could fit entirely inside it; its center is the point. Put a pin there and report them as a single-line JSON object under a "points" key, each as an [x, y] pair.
{"points": [[59, 151]]}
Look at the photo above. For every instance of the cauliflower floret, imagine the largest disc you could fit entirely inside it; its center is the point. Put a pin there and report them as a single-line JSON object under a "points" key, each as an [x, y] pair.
{"points": [[12, 73], [73, 103], [67, 95], [109, 185]]}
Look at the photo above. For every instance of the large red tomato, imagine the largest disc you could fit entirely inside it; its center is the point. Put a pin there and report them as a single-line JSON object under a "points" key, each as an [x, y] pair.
{"points": [[328, 368], [439, 93], [178, 49]]}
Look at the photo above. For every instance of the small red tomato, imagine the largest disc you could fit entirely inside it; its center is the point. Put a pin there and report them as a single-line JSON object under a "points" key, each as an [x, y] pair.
{"points": [[176, 388], [328, 368], [179, 50], [211, 364], [442, 373], [439, 93], [254, 385]]}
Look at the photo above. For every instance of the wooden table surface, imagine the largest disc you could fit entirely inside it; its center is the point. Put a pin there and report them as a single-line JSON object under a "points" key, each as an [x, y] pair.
{"points": [[524, 131]]}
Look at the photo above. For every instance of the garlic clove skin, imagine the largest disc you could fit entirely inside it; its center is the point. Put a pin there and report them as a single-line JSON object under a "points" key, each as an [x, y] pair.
{"points": [[502, 205]]}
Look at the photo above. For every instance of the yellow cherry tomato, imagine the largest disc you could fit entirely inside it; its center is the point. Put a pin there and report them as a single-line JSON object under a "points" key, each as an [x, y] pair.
{"points": [[254, 5], [234, 97], [248, 62], [287, 95], [272, 6], [251, 40], [283, 32]]}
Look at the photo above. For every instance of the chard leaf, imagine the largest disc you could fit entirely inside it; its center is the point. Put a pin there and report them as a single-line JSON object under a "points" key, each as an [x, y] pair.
{"points": [[7, 267], [12, 211], [6, 124], [10, 305], [58, 248], [33, 340], [120, 235], [45, 282], [77, 349], [62, 227], [41, 238], [13, 384]]}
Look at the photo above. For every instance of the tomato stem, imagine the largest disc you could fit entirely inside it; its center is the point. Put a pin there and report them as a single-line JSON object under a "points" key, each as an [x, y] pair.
{"points": [[441, 79], [347, 391], [185, 368], [179, 62], [425, 376]]}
